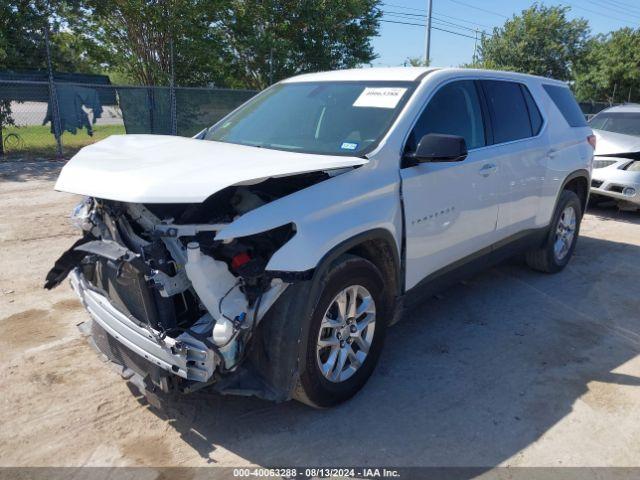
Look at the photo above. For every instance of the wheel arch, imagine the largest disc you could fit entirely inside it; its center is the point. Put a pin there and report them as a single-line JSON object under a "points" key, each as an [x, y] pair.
{"points": [[377, 246], [577, 182]]}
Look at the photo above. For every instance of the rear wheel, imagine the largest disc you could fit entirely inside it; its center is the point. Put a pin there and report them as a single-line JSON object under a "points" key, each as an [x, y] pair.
{"points": [[558, 248], [346, 333]]}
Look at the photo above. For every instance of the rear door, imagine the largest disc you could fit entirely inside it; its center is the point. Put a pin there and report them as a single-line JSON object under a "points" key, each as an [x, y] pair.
{"points": [[450, 208], [520, 150]]}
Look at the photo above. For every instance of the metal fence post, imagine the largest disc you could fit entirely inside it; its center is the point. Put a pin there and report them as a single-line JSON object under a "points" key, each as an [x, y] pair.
{"points": [[1, 138], [53, 98], [172, 94]]}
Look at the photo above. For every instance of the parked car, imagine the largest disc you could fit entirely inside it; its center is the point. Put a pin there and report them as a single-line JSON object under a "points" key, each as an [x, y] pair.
{"points": [[268, 254], [616, 173]]}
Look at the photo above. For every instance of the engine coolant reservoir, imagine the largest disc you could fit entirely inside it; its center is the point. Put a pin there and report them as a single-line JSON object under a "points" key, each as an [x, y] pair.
{"points": [[218, 290]]}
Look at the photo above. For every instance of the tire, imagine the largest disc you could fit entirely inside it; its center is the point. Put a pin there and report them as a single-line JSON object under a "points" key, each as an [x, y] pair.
{"points": [[558, 247], [349, 277]]}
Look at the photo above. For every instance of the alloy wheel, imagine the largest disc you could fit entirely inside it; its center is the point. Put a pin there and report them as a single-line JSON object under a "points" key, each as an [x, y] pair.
{"points": [[565, 232], [346, 333]]}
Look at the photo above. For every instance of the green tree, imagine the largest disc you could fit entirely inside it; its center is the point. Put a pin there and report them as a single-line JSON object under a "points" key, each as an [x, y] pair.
{"points": [[416, 62], [267, 40], [611, 69], [235, 43], [135, 37], [22, 43], [539, 41]]}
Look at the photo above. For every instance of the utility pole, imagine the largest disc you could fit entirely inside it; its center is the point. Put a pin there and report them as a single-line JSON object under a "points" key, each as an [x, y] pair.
{"points": [[427, 45], [475, 49]]}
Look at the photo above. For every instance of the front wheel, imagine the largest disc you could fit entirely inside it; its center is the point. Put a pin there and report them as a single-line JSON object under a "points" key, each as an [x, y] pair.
{"points": [[346, 333], [558, 248]]}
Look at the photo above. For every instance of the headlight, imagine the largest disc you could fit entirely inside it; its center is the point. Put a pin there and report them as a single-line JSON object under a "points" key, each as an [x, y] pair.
{"points": [[81, 214], [629, 191]]}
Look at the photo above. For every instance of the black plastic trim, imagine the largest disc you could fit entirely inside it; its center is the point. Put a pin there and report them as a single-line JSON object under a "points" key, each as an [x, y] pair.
{"points": [[476, 262]]}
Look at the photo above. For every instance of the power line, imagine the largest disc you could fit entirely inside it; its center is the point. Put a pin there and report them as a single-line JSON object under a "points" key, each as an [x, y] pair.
{"points": [[621, 8], [592, 11], [442, 23], [401, 7], [463, 20], [478, 8], [410, 16], [424, 25], [625, 5]]}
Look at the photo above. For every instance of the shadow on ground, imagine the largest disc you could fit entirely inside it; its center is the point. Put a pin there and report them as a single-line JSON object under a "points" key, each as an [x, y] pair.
{"points": [[470, 378], [610, 212], [24, 171]]}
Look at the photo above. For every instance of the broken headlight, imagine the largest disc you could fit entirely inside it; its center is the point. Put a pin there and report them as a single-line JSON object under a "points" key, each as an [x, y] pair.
{"points": [[81, 214]]}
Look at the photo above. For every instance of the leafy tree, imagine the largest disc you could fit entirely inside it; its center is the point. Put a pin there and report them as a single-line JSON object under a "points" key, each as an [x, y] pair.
{"points": [[22, 43], [540, 41], [416, 62], [136, 38], [267, 40], [235, 43], [611, 69]]}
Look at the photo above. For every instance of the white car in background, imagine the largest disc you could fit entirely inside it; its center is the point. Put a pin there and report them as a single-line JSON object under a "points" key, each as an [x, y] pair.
{"points": [[268, 255], [616, 166]]}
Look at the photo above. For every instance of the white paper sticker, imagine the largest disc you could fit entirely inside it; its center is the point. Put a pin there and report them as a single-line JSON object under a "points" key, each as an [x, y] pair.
{"points": [[383, 97], [349, 146]]}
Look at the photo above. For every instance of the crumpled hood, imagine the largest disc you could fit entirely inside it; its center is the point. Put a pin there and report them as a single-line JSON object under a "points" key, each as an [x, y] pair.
{"points": [[168, 169], [610, 143]]}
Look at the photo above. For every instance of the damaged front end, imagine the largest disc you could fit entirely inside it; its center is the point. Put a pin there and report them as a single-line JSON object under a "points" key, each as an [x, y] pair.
{"points": [[171, 305]]}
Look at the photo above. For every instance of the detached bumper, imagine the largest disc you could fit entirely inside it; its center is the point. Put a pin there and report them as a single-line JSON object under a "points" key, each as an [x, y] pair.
{"points": [[183, 356]]}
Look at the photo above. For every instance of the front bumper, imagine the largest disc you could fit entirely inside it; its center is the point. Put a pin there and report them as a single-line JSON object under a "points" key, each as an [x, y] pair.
{"points": [[614, 188], [183, 356]]}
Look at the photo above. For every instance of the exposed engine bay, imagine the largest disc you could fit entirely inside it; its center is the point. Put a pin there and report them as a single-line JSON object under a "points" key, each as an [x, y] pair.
{"points": [[156, 279]]}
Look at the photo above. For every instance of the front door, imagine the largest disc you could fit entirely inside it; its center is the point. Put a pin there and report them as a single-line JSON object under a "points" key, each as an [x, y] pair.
{"points": [[451, 208]]}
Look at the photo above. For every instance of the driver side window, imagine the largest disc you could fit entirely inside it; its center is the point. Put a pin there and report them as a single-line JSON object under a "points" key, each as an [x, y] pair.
{"points": [[453, 110]]}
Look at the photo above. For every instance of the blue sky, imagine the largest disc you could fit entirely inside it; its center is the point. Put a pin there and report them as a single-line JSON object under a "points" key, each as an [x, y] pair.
{"points": [[396, 41]]}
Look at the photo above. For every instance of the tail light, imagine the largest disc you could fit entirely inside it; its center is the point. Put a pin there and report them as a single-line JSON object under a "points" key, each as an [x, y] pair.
{"points": [[592, 141]]}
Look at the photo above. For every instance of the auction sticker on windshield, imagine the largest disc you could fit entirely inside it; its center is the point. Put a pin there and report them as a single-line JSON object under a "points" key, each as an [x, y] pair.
{"points": [[379, 97]]}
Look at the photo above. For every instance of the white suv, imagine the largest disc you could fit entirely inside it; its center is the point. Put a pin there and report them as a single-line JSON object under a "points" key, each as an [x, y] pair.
{"points": [[268, 254]]}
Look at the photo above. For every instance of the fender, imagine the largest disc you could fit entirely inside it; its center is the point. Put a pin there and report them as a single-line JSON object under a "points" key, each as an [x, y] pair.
{"points": [[326, 215], [572, 176], [345, 246]]}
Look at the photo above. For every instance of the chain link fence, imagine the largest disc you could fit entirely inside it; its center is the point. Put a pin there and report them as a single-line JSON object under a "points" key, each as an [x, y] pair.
{"points": [[55, 119]]}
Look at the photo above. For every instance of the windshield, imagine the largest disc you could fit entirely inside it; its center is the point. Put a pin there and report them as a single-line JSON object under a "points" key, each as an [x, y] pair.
{"points": [[337, 118], [618, 122]]}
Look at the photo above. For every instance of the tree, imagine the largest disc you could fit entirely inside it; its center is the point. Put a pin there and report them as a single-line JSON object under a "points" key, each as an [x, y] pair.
{"points": [[416, 62], [136, 37], [22, 44], [540, 41], [611, 69], [267, 40], [235, 43]]}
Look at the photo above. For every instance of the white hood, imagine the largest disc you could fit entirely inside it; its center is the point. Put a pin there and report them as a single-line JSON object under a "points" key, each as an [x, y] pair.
{"points": [[611, 143], [167, 169]]}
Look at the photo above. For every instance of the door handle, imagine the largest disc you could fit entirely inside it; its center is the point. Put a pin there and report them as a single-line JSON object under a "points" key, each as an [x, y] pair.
{"points": [[487, 169]]}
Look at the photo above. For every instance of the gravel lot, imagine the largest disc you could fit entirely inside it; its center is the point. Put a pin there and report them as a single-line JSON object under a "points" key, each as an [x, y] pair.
{"points": [[510, 368]]}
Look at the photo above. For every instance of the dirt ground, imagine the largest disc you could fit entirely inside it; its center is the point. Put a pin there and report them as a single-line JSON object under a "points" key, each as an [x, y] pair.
{"points": [[510, 368]]}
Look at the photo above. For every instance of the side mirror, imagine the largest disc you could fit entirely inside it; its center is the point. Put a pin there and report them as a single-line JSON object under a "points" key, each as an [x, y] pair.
{"points": [[437, 147]]}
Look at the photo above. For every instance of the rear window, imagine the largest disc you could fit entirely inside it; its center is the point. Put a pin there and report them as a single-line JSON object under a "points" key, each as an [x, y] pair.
{"points": [[627, 123], [509, 113], [563, 98]]}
